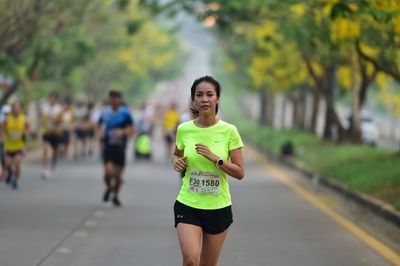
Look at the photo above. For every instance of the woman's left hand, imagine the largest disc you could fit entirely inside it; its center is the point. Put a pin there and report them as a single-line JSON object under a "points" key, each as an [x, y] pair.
{"points": [[205, 151]]}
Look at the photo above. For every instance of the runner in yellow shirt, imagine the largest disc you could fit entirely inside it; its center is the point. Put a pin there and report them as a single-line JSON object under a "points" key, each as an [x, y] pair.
{"points": [[15, 128], [170, 122]]}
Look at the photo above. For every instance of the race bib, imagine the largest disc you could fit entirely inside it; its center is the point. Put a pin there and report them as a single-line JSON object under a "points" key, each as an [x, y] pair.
{"points": [[15, 135], [204, 182]]}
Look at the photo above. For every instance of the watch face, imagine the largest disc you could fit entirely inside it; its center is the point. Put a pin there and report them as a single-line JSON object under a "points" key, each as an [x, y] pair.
{"points": [[220, 162]]}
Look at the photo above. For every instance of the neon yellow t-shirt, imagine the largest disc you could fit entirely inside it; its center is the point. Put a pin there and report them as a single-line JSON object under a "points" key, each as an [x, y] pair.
{"points": [[143, 144], [14, 131], [205, 186]]}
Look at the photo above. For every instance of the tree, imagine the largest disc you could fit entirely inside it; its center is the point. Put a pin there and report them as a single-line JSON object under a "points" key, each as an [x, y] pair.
{"points": [[52, 45]]}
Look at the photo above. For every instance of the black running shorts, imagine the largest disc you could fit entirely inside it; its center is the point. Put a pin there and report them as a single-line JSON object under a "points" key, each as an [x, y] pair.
{"points": [[211, 221], [52, 138], [114, 154]]}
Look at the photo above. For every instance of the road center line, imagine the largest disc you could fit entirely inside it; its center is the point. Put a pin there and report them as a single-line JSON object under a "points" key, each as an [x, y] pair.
{"points": [[67, 236]]}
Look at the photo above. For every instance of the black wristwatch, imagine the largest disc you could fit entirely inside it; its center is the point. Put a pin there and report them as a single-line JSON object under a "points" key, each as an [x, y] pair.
{"points": [[219, 162]]}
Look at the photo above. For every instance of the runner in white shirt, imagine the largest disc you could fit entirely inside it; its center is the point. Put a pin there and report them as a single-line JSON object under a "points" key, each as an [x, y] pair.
{"points": [[51, 119]]}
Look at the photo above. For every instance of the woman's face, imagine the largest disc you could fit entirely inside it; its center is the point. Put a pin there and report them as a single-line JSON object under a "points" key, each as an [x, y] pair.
{"points": [[205, 98]]}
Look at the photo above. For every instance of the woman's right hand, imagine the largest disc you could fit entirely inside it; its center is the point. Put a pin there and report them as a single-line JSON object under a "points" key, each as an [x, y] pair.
{"points": [[179, 163]]}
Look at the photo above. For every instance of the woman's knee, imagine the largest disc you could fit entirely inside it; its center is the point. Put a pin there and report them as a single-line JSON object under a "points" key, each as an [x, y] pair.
{"points": [[191, 259]]}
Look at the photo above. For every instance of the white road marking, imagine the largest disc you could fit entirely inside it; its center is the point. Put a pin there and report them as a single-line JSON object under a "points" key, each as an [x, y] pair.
{"points": [[90, 223], [63, 251], [80, 234]]}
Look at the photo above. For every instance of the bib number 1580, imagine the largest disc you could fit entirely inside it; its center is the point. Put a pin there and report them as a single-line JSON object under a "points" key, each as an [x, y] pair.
{"points": [[204, 183]]}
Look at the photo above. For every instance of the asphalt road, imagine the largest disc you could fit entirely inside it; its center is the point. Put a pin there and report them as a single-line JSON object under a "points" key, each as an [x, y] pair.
{"points": [[63, 222]]}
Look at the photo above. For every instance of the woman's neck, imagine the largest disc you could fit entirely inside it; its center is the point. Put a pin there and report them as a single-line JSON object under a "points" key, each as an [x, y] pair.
{"points": [[206, 120]]}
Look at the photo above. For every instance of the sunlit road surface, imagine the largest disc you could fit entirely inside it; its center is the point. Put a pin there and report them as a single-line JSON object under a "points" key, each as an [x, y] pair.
{"points": [[63, 221]]}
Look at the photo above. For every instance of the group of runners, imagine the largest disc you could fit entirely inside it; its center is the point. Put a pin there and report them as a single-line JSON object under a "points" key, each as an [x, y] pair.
{"points": [[63, 125], [67, 129]]}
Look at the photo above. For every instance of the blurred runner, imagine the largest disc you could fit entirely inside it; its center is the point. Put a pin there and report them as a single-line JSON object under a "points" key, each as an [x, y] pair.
{"points": [[5, 109], [15, 129], [144, 120], [94, 121], [117, 126], [171, 120], [186, 116], [80, 113], [66, 127], [51, 118], [144, 124], [90, 129]]}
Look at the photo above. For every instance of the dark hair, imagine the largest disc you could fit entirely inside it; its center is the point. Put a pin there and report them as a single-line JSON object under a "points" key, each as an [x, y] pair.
{"points": [[115, 93], [210, 80]]}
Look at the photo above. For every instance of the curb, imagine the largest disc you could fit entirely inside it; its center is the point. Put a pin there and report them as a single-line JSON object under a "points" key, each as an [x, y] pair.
{"points": [[377, 206]]}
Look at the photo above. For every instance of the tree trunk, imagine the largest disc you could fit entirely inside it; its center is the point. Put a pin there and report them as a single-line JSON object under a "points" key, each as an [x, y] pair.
{"points": [[303, 110], [365, 82], [316, 94], [315, 110], [333, 129], [298, 109], [263, 108], [283, 124], [294, 100], [359, 98], [270, 108], [355, 130]]}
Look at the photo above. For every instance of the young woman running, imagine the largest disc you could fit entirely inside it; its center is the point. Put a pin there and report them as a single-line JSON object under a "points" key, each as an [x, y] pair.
{"points": [[208, 149]]}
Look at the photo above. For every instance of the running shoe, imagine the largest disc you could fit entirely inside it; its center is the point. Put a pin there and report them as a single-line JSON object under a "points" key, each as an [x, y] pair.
{"points": [[46, 174], [14, 184], [106, 195], [116, 202], [8, 178]]}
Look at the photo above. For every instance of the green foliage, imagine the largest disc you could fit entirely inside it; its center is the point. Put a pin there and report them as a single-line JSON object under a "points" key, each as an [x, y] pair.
{"points": [[78, 46], [123, 4], [341, 10], [133, 26]]}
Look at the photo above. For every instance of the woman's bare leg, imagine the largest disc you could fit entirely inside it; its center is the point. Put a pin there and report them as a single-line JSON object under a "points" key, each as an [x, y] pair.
{"points": [[212, 246], [190, 241]]}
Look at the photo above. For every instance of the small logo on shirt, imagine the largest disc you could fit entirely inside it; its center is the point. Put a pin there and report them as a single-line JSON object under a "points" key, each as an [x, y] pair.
{"points": [[179, 216]]}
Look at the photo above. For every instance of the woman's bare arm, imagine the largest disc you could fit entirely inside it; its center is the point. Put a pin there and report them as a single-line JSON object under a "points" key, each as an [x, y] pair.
{"points": [[178, 162], [234, 167]]}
